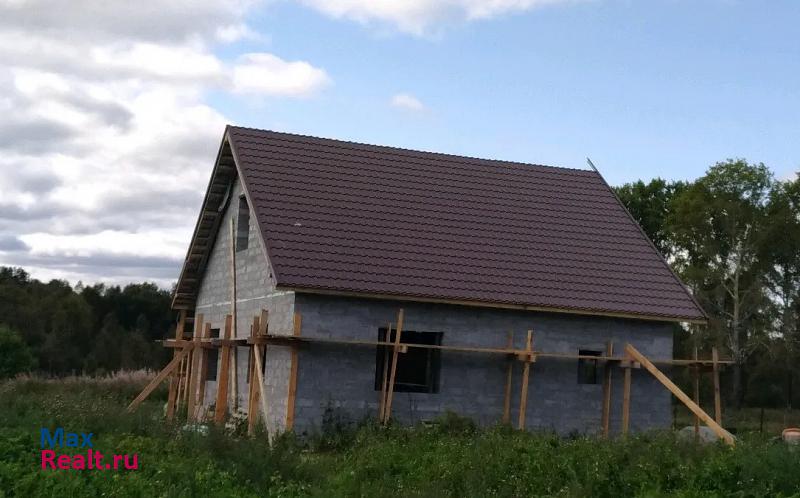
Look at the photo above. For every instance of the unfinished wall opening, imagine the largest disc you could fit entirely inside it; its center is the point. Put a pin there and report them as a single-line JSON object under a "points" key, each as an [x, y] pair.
{"points": [[242, 225], [587, 367], [417, 369], [213, 358]]}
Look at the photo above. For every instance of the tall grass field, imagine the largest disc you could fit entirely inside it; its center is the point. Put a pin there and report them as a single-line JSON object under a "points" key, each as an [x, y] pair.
{"points": [[451, 458]]}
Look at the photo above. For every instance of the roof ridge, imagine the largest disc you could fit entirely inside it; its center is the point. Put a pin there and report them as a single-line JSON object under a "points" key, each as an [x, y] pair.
{"points": [[396, 149]]}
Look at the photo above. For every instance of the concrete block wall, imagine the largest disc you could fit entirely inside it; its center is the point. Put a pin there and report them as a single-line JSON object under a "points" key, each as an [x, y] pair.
{"points": [[255, 290], [472, 384]]}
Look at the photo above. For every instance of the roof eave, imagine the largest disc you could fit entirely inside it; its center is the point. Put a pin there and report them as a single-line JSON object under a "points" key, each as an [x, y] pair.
{"points": [[497, 305]]}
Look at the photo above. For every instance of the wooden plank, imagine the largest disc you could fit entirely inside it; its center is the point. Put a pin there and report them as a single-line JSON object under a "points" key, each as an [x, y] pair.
{"points": [[509, 375], [605, 419], [183, 381], [526, 369], [187, 365], [234, 352], [252, 412], [221, 409], [290, 406], [392, 375], [179, 374], [263, 328], [201, 394], [717, 397], [696, 379], [626, 399], [194, 360], [175, 378], [149, 388], [385, 376], [464, 349], [259, 373], [705, 417]]}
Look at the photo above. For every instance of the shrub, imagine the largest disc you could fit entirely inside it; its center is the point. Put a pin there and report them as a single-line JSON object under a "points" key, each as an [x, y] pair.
{"points": [[15, 357]]}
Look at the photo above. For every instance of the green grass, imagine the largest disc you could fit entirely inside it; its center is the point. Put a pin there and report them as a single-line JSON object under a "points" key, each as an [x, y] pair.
{"points": [[451, 458], [747, 420]]}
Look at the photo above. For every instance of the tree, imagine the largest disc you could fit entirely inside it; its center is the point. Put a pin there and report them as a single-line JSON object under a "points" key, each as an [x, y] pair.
{"points": [[780, 254], [15, 357], [717, 224], [651, 204]]}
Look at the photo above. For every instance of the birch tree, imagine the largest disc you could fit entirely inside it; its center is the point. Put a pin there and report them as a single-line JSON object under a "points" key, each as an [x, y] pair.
{"points": [[717, 224]]}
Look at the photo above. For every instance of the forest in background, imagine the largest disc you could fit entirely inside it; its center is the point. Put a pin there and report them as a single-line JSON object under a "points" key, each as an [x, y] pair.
{"points": [[58, 329], [732, 235]]}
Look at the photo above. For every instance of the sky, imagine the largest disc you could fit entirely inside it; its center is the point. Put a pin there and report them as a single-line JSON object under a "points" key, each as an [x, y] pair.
{"points": [[111, 113]]}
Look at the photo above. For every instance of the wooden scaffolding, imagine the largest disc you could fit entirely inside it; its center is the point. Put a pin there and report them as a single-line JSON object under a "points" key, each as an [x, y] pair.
{"points": [[188, 368]]}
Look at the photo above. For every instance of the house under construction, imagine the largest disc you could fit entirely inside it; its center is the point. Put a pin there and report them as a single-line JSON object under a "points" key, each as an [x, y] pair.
{"points": [[373, 281]]}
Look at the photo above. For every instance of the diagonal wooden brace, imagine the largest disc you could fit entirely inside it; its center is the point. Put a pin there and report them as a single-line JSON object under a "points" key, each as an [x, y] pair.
{"points": [[172, 365], [686, 400]]}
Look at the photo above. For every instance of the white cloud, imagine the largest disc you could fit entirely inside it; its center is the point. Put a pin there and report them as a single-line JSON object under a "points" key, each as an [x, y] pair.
{"points": [[420, 17], [269, 74], [235, 32], [159, 61], [106, 137], [407, 102]]}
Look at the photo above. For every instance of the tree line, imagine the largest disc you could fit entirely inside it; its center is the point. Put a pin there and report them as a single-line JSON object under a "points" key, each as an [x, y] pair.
{"points": [[732, 235], [58, 329]]}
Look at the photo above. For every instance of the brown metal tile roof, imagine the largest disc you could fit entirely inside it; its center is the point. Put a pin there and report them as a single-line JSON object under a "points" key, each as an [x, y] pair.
{"points": [[346, 217]]}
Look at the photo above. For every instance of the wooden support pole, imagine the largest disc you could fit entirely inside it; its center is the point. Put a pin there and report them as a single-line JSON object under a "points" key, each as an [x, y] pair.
{"points": [[385, 376], [509, 374], [181, 388], [696, 379], [290, 400], [184, 387], [187, 372], [390, 389], [172, 365], [252, 411], [626, 395], [234, 323], [221, 409], [705, 417], [717, 398], [201, 393], [259, 372], [526, 369], [605, 419], [174, 379], [194, 361]]}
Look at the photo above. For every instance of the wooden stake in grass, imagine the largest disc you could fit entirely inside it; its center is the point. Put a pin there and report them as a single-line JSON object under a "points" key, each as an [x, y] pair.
{"points": [[509, 374], [523, 397], [626, 396], [605, 419], [292, 394], [390, 392], [717, 398]]}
